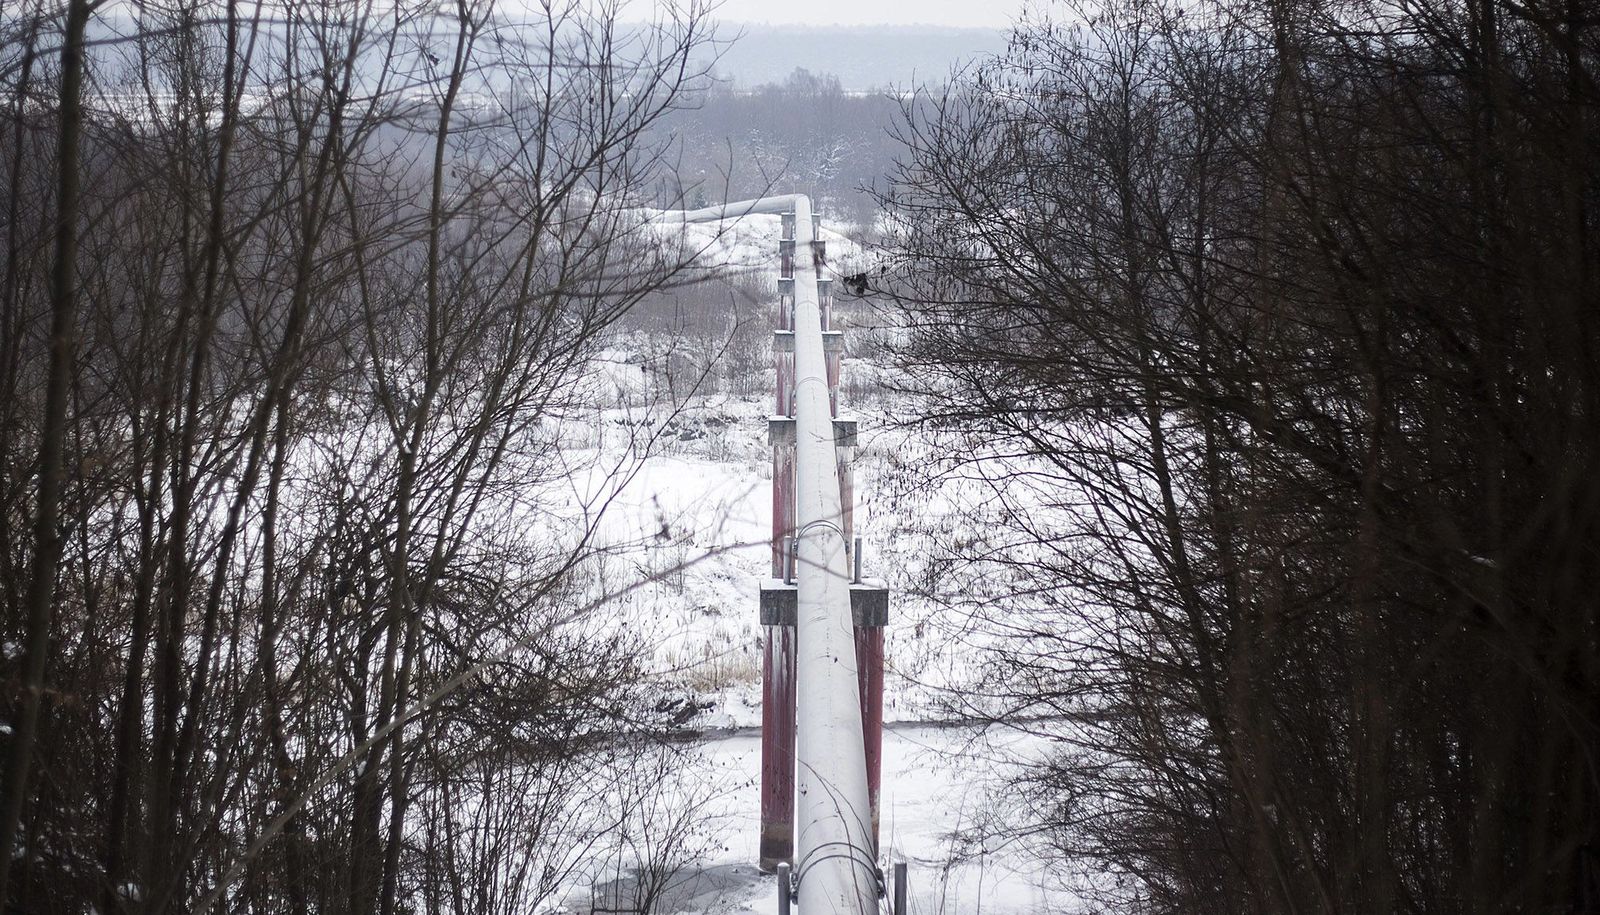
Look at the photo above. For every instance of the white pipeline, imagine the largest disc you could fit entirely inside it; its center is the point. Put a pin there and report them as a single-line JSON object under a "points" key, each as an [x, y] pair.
{"points": [[833, 818], [834, 861]]}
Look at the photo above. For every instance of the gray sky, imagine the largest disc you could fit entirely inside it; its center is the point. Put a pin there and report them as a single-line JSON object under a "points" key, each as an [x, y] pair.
{"points": [[972, 13]]}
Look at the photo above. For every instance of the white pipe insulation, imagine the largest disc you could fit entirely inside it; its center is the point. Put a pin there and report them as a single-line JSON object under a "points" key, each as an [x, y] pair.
{"points": [[735, 210], [834, 860]]}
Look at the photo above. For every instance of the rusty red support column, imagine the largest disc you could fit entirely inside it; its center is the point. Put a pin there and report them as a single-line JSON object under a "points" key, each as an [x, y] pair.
{"points": [[844, 454], [777, 746], [869, 673], [870, 610], [783, 359], [778, 659], [832, 347]]}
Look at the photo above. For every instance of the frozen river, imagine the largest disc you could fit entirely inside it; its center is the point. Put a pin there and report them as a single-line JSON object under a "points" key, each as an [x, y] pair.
{"points": [[936, 782]]}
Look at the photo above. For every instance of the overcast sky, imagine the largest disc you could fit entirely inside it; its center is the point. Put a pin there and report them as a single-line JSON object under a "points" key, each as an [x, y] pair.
{"points": [[971, 13]]}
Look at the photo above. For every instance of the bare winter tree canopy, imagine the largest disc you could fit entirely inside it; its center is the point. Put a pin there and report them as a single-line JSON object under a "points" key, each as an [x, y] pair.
{"points": [[1273, 332], [293, 295]]}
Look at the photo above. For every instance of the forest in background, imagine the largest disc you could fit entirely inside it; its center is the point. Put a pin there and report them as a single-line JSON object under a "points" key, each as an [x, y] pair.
{"points": [[802, 134], [865, 59]]}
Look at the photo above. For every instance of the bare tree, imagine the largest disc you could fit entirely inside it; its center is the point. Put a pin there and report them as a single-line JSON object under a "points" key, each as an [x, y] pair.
{"points": [[336, 277], [1256, 322]]}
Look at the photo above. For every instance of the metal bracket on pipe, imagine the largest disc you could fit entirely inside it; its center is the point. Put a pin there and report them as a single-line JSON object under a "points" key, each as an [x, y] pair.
{"points": [[869, 603], [827, 524], [780, 431]]}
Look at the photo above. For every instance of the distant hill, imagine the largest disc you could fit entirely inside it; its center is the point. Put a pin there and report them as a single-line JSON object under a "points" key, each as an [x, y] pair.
{"points": [[863, 57]]}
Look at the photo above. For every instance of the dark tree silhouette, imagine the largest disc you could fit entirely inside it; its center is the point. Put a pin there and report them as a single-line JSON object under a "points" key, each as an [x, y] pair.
{"points": [[1271, 330], [284, 580]]}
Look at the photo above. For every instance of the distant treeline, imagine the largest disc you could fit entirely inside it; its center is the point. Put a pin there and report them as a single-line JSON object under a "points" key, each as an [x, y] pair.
{"points": [[803, 135], [862, 57]]}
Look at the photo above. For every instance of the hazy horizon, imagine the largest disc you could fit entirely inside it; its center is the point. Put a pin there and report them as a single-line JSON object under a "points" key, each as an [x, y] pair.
{"points": [[863, 58], [864, 13]]}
